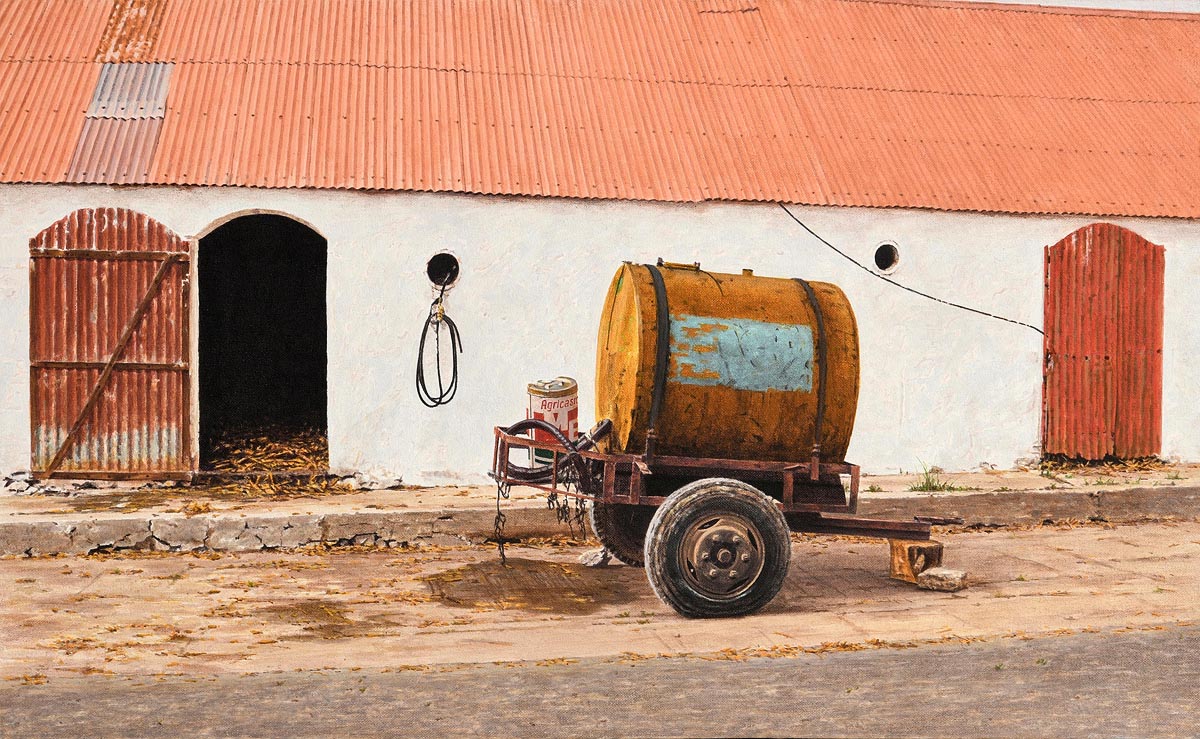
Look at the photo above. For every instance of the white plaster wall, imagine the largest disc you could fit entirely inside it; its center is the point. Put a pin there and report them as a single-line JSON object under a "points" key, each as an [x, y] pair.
{"points": [[939, 386]]}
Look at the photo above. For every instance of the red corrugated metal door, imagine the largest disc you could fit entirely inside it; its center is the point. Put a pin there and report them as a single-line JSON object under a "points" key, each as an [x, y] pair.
{"points": [[1102, 391], [108, 347]]}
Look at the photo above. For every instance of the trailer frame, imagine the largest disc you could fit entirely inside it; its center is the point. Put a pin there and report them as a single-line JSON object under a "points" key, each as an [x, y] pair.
{"points": [[623, 481]]}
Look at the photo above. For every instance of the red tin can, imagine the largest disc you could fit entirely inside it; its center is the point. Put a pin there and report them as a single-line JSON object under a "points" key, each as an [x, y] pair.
{"points": [[557, 402]]}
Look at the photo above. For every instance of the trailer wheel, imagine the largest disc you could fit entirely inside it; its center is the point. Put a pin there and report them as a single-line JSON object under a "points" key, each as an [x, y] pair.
{"points": [[622, 529], [717, 548]]}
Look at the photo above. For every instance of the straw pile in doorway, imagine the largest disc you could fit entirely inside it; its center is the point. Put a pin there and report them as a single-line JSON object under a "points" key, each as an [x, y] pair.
{"points": [[271, 449], [274, 462]]}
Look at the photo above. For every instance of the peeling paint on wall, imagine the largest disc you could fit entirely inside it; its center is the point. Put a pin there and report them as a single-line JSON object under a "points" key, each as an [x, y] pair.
{"points": [[741, 354]]}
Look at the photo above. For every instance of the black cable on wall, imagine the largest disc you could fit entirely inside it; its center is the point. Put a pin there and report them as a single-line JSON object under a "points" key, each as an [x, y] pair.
{"points": [[889, 280]]}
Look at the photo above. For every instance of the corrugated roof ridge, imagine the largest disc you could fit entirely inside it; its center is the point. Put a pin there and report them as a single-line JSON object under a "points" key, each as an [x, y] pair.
{"points": [[50, 60], [1032, 148], [1158, 15], [674, 81]]}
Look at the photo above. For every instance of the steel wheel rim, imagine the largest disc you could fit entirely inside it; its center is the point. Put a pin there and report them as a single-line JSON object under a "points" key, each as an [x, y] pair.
{"points": [[721, 556]]}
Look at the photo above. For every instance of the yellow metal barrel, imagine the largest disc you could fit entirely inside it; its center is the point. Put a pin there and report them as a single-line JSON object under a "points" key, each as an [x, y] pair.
{"points": [[744, 362]]}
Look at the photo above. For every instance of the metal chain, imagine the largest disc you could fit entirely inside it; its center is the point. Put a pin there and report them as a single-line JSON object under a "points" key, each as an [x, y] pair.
{"points": [[573, 515], [581, 509], [578, 476], [503, 490]]}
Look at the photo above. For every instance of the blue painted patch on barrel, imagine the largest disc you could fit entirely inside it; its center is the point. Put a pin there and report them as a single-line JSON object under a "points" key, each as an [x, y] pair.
{"points": [[741, 353]]}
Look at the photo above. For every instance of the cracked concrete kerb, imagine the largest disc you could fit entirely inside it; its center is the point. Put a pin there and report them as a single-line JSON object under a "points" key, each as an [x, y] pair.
{"points": [[234, 532]]}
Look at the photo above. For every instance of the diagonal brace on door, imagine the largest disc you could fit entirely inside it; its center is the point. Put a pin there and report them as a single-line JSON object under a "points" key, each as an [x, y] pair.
{"points": [[105, 374]]}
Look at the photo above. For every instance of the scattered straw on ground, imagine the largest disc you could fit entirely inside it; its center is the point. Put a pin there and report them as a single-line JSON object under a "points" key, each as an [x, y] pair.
{"points": [[1108, 466], [270, 448], [197, 499], [270, 487]]}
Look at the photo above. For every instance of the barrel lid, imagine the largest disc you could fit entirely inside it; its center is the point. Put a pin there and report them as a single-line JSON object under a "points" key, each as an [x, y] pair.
{"points": [[555, 388]]}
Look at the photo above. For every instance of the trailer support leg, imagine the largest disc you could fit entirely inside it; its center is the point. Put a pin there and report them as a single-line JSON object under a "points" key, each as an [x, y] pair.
{"points": [[911, 558]]}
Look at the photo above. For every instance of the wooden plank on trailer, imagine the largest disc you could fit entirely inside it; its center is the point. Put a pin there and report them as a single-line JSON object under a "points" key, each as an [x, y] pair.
{"points": [[835, 523]]}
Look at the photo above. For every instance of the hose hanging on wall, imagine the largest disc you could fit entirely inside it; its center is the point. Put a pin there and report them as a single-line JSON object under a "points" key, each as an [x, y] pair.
{"points": [[437, 318]]}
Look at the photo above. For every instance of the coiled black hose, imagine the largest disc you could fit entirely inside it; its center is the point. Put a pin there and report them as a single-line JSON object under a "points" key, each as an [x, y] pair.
{"points": [[545, 473], [437, 317]]}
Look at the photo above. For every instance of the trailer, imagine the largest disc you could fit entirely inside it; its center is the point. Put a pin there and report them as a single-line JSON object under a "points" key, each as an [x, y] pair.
{"points": [[712, 534]]}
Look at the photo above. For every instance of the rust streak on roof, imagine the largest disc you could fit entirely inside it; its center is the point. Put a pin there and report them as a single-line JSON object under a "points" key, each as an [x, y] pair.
{"points": [[889, 103], [132, 30]]}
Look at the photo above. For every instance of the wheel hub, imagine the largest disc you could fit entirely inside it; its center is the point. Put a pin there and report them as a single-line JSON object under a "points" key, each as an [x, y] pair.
{"points": [[721, 556]]}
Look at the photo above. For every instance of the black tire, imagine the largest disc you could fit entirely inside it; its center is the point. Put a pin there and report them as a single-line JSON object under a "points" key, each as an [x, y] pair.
{"points": [[699, 538], [622, 529]]}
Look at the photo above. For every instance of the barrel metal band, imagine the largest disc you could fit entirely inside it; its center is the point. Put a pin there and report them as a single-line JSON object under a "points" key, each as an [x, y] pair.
{"points": [[821, 352], [662, 344]]}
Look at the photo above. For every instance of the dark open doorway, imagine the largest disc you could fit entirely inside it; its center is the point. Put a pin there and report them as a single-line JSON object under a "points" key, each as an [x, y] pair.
{"points": [[263, 346]]}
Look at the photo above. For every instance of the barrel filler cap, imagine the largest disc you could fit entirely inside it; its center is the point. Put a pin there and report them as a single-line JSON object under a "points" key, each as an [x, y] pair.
{"points": [[694, 266]]}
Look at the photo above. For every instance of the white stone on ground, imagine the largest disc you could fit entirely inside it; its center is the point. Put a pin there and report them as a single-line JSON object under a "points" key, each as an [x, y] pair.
{"points": [[943, 579], [595, 558]]}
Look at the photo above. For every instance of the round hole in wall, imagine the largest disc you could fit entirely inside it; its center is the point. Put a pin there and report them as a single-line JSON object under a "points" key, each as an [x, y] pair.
{"points": [[887, 256], [442, 269]]}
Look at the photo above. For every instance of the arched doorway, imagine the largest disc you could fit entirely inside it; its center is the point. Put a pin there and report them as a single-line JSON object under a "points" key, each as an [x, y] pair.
{"points": [[262, 346], [1102, 387]]}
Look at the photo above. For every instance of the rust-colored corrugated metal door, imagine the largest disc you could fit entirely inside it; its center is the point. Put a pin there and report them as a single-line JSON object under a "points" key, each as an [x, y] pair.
{"points": [[1102, 391], [108, 347]]}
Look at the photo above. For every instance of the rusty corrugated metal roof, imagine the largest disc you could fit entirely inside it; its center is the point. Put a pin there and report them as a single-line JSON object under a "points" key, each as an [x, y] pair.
{"points": [[904, 103], [36, 30], [131, 31], [41, 114]]}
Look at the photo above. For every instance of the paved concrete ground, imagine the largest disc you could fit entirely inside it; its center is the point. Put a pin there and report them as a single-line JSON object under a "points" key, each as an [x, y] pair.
{"points": [[1067, 630], [1082, 627], [1136, 683], [233, 518], [410, 609]]}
